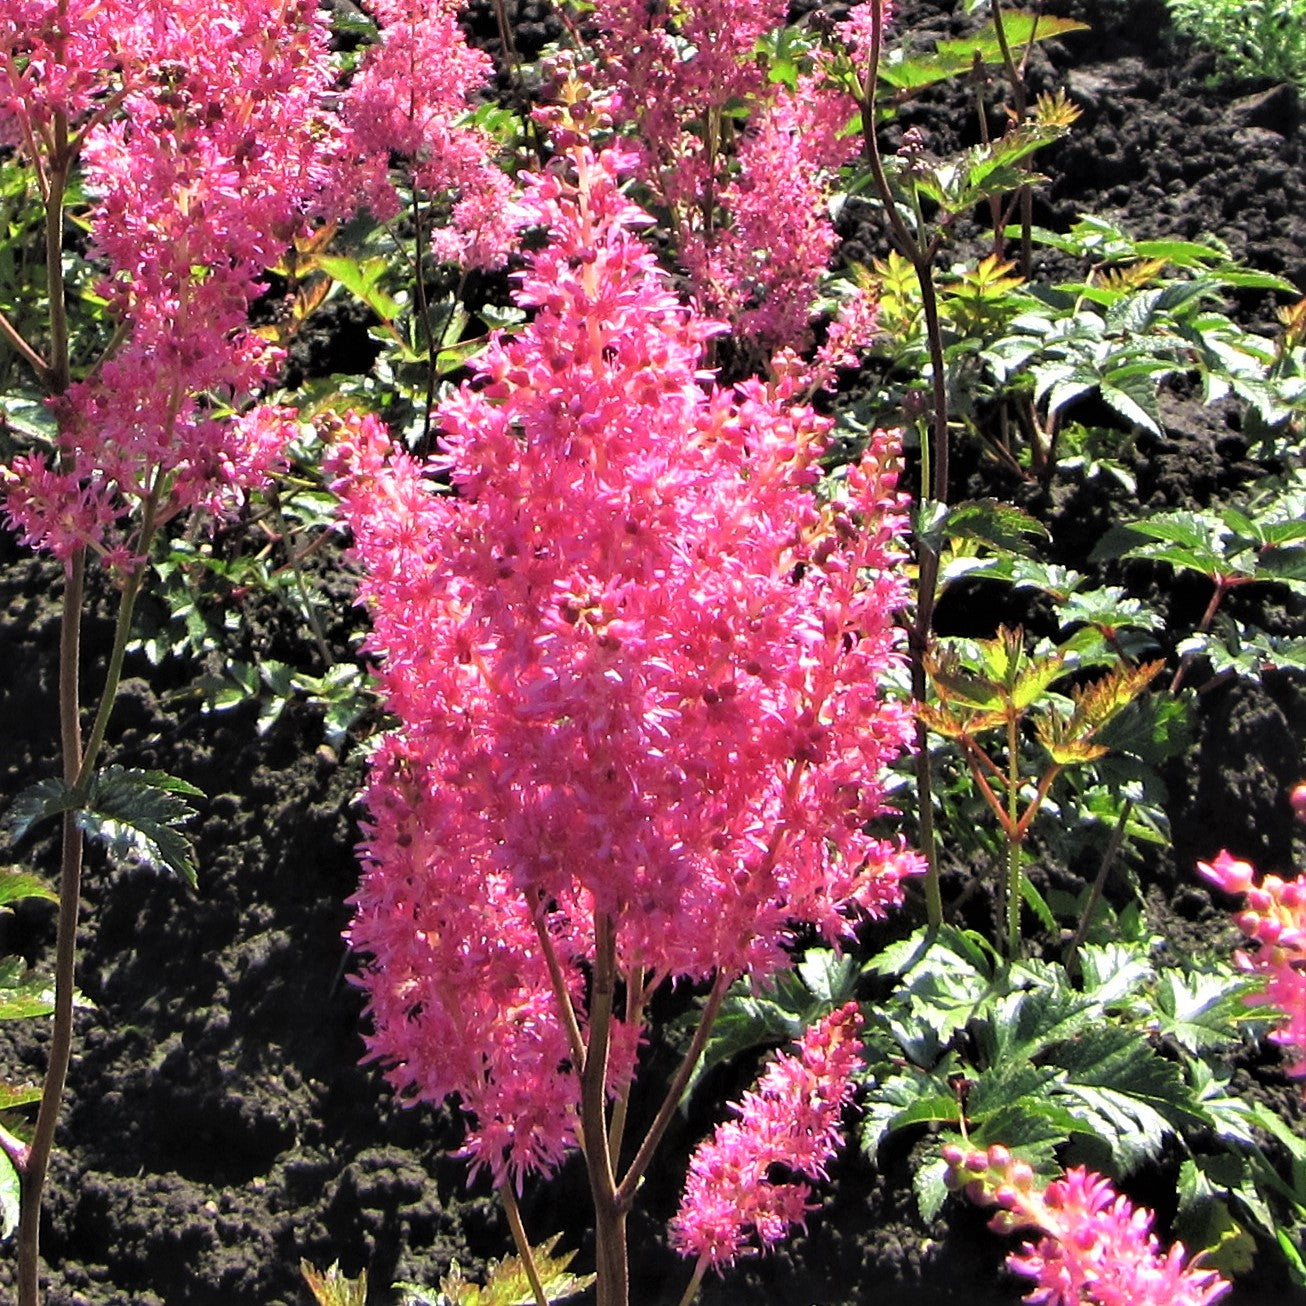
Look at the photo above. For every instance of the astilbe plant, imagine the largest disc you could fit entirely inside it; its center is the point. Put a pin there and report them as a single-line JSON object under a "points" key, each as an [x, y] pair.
{"points": [[638, 669], [202, 135], [1274, 920], [1094, 1248]]}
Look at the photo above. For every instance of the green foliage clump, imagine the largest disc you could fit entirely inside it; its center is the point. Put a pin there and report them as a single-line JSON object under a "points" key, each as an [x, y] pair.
{"points": [[1250, 38]]}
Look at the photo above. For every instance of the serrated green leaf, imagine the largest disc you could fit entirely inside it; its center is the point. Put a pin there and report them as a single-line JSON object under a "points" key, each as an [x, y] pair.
{"points": [[24, 994], [16, 886], [1201, 1011], [830, 977], [37, 803], [931, 1192], [1002, 526], [999, 1086], [1134, 398], [1113, 972], [776, 1013], [1121, 1091], [136, 815], [1024, 1024]]}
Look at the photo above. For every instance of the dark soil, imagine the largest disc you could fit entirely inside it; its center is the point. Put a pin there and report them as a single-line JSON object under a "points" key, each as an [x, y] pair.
{"points": [[218, 1126]]}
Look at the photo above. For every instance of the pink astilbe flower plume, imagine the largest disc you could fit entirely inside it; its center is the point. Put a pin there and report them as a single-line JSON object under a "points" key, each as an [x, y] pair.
{"points": [[733, 1203], [749, 204], [1275, 922], [405, 104], [1095, 1247], [637, 666], [209, 147]]}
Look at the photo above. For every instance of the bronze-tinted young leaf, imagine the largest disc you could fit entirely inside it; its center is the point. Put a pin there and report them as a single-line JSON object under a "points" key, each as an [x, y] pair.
{"points": [[1056, 110], [1062, 745], [1097, 703], [332, 1288], [1004, 658], [16, 1095], [941, 721], [1035, 678], [956, 683], [507, 1284]]}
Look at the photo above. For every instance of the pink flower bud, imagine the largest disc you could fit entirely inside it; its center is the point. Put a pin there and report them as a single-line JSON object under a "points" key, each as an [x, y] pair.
{"points": [[1298, 800], [999, 1157]]}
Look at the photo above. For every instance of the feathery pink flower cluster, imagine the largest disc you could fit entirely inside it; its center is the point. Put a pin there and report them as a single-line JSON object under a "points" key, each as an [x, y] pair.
{"points": [[638, 668], [207, 148], [750, 205], [792, 1120], [1275, 920], [1096, 1248], [411, 90]]}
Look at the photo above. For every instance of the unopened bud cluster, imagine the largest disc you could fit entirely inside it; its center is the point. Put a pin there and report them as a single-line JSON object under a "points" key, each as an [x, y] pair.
{"points": [[1095, 1248], [1274, 920]]}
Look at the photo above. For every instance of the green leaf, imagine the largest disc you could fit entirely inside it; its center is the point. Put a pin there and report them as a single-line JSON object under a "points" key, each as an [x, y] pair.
{"points": [[931, 1192], [1201, 1011], [777, 1013], [1123, 1092], [955, 58], [1133, 395], [1001, 526], [16, 886], [1036, 902], [37, 803], [361, 278], [24, 994], [1113, 972], [136, 815], [1024, 1024], [10, 1196], [829, 976]]}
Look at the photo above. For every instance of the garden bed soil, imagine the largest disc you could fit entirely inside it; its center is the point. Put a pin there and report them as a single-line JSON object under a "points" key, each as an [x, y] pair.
{"points": [[218, 1125]]}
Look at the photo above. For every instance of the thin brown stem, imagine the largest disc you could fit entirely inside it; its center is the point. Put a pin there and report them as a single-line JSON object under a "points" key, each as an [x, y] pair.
{"points": [[609, 1212], [1099, 884], [566, 1011], [691, 1289], [631, 1179], [25, 350], [524, 1251], [70, 880]]}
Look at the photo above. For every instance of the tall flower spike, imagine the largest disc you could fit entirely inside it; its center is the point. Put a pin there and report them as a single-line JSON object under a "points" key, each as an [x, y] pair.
{"points": [[733, 1203], [638, 671], [1095, 1248]]}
